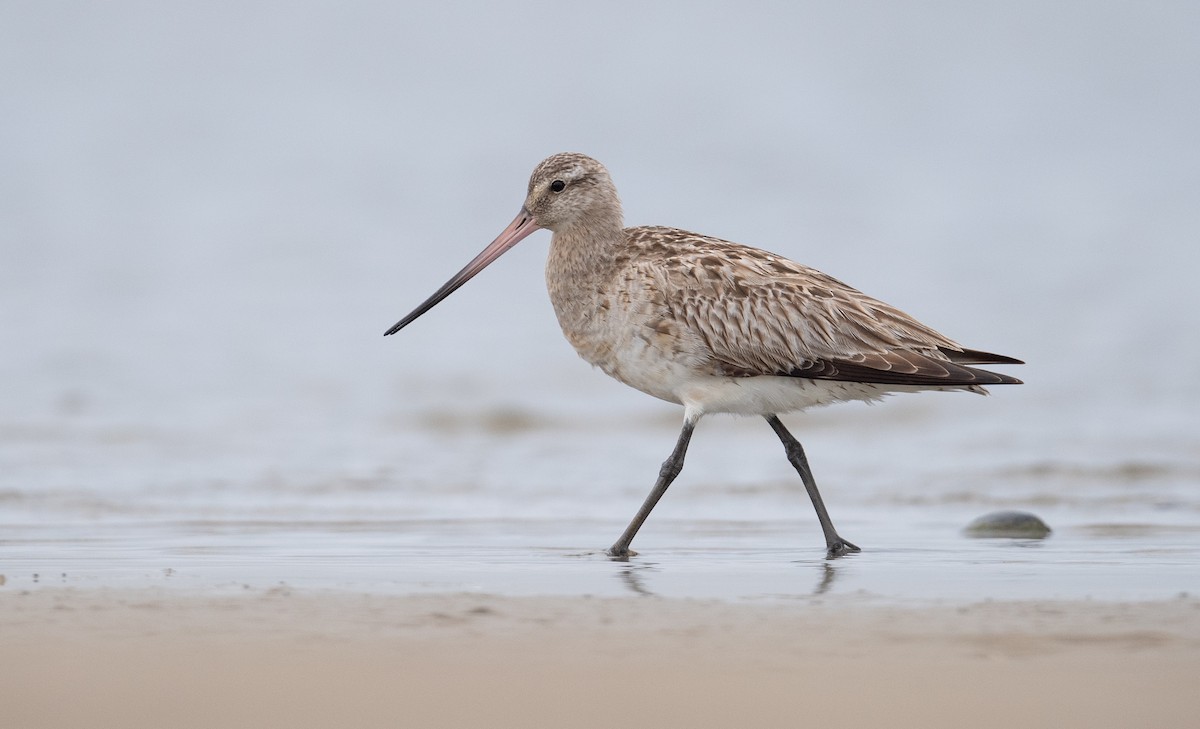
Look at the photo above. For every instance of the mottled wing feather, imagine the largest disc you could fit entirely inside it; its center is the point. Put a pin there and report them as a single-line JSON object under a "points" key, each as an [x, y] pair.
{"points": [[751, 312]]}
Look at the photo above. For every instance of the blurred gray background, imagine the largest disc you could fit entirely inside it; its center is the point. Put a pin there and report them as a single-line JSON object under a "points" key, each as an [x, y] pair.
{"points": [[210, 212]]}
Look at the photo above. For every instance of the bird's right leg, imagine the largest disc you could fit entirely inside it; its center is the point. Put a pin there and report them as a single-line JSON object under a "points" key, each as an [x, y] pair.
{"points": [[670, 469]]}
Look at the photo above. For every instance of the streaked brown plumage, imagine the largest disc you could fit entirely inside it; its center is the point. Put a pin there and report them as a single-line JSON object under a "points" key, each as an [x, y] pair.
{"points": [[716, 326], [755, 313]]}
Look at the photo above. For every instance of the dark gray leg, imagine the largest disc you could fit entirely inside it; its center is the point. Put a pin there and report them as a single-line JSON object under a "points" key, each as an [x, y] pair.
{"points": [[795, 453], [670, 469]]}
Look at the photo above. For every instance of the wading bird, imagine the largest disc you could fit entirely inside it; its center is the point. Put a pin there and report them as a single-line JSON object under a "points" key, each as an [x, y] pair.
{"points": [[714, 326]]}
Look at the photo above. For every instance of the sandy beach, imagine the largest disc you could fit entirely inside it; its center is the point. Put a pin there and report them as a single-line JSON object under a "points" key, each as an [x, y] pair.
{"points": [[151, 658]]}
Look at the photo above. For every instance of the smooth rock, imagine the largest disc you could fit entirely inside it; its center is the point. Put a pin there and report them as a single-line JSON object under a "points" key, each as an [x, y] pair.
{"points": [[1010, 524]]}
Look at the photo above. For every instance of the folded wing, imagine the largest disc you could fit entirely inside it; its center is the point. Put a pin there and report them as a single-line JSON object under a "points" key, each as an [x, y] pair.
{"points": [[755, 313]]}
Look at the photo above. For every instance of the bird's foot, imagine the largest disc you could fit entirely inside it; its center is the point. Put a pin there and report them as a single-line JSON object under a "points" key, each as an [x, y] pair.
{"points": [[839, 548], [620, 553]]}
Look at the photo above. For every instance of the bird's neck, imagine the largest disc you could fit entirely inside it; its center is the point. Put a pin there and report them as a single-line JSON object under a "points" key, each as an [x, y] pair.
{"points": [[580, 269], [586, 251]]}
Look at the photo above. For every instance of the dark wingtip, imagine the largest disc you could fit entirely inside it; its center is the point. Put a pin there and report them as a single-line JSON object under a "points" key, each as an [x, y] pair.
{"points": [[902, 368], [999, 378], [975, 356]]}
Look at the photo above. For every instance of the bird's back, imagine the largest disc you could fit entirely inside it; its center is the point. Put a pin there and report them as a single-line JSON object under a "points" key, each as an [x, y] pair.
{"points": [[737, 311]]}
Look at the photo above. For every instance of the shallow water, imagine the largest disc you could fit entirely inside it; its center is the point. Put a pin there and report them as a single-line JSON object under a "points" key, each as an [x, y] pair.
{"points": [[488, 511], [713, 559], [210, 220]]}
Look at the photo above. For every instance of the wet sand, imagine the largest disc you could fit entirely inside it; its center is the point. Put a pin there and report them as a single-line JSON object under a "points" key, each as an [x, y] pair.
{"points": [[155, 657]]}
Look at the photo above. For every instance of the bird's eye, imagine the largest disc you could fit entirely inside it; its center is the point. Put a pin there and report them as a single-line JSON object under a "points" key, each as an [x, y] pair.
{"points": [[557, 186]]}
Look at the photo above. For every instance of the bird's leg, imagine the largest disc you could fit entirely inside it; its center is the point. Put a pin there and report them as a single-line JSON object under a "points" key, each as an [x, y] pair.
{"points": [[795, 453], [670, 469]]}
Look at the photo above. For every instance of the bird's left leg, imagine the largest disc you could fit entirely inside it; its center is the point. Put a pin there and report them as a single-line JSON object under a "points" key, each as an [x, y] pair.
{"points": [[795, 452], [670, 469]]}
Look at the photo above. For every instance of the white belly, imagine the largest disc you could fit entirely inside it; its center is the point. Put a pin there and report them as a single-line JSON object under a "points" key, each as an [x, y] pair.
{"points": [[674, 381], [771, 395]]}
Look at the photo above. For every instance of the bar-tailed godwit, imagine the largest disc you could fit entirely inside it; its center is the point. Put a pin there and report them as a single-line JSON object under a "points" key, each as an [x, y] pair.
{"points": [[714, 326]]}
